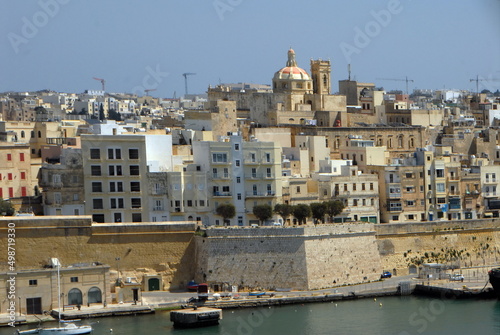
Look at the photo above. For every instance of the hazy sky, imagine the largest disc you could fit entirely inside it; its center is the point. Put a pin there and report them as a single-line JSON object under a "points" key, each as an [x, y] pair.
{"points": [[148, 44]]}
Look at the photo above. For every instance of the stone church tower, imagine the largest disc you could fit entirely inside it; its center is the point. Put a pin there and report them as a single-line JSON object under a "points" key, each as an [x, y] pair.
{"points": [[320, 70]]}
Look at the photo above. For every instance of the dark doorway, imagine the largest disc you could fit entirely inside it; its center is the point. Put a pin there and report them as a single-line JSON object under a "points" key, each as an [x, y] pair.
{"points": [[33, 305], [75, 297], [153, 284], [95, 295]]}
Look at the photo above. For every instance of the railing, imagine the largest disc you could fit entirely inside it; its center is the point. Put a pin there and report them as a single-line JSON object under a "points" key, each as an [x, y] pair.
{"points": [[222, 194], [158, 208], [260, 194]]}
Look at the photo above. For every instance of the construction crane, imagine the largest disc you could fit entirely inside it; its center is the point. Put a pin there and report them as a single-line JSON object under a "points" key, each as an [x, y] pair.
{"points": [[149, 90], [103, 83], [186, 80], [406, 80]]}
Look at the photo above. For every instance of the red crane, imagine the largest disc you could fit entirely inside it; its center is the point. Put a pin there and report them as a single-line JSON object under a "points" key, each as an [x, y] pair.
{"points": [[103, 83]]}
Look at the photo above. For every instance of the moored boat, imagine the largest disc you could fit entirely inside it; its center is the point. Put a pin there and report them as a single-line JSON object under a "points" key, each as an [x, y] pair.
{"points": [[494, 275], [256, 294]]}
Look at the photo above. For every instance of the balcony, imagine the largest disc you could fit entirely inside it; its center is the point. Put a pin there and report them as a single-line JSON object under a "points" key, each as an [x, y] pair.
{"points": [[216, 176], [490, 181], [395, 195], [222, 194], [158, 208], [260, 194]]}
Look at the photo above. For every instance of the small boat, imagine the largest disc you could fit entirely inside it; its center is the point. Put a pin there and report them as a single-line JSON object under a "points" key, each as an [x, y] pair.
{"points": [[69, 328], [494, 275], [192, 286], [256, 294]]}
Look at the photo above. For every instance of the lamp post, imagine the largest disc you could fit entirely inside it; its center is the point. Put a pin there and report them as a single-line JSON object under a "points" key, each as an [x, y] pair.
{"points": [[117, 259]]}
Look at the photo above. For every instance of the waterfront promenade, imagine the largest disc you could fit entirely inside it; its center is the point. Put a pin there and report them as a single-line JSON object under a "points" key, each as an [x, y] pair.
{"points": [[475, 280]]}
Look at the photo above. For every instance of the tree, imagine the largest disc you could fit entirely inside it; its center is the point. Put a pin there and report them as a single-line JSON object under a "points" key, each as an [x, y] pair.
{"points": [[283, 210], [318, 211], [101, 112], [227, 211], [114, 115], [263, 212], [301, 212], [6, 208], [333, 208]]}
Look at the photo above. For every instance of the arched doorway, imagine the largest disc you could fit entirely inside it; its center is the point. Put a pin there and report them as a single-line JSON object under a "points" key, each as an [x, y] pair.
{"points": [[95, 295], [153, 284], [75, 297]]}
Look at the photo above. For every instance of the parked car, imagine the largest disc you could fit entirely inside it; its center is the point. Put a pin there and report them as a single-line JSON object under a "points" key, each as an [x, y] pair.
{"points": [[457, 277], [386, 274]]}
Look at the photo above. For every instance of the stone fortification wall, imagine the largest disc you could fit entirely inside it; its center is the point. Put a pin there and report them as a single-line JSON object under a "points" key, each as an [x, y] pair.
{"points": [[288, 257], [459, 243], [162, 248]]}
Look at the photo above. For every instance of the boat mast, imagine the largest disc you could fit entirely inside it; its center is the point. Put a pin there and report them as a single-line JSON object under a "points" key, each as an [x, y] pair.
{"points": [[58, 292]]}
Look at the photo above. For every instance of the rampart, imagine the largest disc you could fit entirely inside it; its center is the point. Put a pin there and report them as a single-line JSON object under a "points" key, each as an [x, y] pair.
{"points": [[290, 257], [133, 248]]}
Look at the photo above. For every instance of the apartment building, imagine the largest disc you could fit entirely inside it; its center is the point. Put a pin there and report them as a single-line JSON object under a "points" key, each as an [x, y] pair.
{"points": [[244, 174], [115, 170], [359, 192], [15, 170]]}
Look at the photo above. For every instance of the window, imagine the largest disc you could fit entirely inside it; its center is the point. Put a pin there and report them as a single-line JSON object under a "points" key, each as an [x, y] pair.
{"points": [[440, 187], [74, 279], [134, 170], [254, 189], [371, 186], [268, 157], [237, 162], [202, 203], [97, 204], [115, 170], [252, 157], [96, 187], [298, 189], [33, 282], [236, 146], [114, 154], [98, 218], [190, 203], [9, 157], [254, 173], [116, 186], [136, 217], [21, 156], [238, 180], [410, 203], [116, 202], [239, 196], [95, 154], [439, 173], [57, 198], [219, 158], [11, 192], [363, 186], [268, 172], [95, 170], [76, 197], [9, 176], [133, 153], [23, 191], [135, 202], [135, 186]]}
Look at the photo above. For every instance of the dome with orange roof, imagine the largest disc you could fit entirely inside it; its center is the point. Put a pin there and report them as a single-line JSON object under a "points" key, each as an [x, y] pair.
{"points": [[291, 77]]}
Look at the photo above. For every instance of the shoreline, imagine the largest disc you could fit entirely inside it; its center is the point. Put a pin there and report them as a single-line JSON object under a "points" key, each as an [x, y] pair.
{"points": [[278, 299]]}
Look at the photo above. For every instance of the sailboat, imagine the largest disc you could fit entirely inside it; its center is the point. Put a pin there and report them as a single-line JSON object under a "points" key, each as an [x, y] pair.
{"points": [[69, 328]]}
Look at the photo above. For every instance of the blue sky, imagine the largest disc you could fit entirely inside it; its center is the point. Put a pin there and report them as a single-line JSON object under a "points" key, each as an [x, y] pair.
{"points": [[62, 44]]}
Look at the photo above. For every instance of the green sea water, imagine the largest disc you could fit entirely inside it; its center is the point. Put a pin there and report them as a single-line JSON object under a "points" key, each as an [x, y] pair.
{"points": [[389, 315]]}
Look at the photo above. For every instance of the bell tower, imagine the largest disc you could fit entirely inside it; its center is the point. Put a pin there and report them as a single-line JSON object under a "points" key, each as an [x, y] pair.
{"points": [[321, 70]]}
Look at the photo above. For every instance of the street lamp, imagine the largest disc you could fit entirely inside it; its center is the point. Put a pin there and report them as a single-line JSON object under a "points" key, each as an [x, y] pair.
{"points": [[117, 259]]}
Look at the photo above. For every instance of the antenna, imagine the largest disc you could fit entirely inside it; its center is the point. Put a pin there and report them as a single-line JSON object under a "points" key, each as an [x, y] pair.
{"points": [[349, 71]]}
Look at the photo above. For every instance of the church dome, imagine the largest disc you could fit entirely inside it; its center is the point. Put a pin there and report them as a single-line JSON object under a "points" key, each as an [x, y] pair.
{"points": [[291, 71]]}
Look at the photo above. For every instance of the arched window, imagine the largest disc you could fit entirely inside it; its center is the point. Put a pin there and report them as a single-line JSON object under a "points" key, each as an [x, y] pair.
{"points": [[22, 133], [412, 142], [389, 143], [75, 297], [94, 295], [400, 141]]}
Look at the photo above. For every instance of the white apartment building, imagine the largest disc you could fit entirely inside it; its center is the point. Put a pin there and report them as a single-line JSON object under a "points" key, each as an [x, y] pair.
{"points": [[116, 174], [244, 174]]}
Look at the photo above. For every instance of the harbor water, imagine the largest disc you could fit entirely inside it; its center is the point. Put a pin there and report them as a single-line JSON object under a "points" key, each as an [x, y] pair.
{"points": [[388, 315]]}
